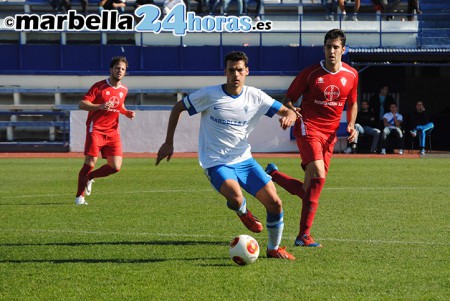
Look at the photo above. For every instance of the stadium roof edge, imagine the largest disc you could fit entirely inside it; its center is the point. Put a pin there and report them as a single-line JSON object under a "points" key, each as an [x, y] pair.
{"points": [[399, 56]]}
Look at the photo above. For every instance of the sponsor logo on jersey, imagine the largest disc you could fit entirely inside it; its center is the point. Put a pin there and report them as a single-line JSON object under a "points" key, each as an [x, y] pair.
{"points": [[331, 92]]}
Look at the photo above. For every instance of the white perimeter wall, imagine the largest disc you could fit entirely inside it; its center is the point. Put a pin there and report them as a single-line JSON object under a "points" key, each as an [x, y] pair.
{"points": [[147, 132]]}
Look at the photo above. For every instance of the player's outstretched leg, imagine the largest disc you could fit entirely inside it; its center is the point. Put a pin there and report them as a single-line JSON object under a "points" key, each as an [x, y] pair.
{"points": [[291, 185], [103, 171]]}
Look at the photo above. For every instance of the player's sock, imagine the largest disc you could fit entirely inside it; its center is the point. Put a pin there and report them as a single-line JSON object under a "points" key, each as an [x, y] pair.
{"points": [[103, 171], [310, 204], [275, 226], [83, 178], [291, 185], [242, 210]]}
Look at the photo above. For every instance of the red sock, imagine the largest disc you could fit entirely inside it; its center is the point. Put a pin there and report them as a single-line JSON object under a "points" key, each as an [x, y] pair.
{"points": [[291, 185], [83, 178], [103, 171], [310, 204]]}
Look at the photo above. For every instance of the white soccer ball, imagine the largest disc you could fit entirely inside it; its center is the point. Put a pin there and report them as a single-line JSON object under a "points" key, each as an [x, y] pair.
{"points": [[244, 249]]}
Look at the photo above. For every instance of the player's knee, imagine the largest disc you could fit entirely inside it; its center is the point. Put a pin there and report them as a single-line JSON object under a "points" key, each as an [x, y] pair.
{"points": [[275, 206]]}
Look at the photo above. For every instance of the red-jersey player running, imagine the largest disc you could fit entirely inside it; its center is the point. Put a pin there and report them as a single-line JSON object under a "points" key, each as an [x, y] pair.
{"points": [[104, 101], [326, 88]]}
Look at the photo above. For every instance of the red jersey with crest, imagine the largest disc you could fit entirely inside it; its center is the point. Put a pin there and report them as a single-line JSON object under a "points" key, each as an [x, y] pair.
{"points": [[105, 122], [324, 97]]}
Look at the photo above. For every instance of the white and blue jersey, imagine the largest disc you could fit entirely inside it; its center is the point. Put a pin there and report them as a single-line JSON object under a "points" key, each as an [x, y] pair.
{"points": [[226, 122], [390, 119]]}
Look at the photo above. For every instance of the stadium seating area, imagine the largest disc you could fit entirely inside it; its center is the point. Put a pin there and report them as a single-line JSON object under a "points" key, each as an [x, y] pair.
{"points": [[49, 71]]}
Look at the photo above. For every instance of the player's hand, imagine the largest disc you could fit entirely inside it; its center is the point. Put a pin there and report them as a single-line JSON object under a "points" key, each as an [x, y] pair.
{"points": [[166, 150], [288, 119], [105, 106], [353, 134], [130, 114]]}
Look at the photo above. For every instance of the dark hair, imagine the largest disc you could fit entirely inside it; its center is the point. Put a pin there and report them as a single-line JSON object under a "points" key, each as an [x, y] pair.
{"points": [[236, 56], [118, 59], [335, 34], [366, 101]]}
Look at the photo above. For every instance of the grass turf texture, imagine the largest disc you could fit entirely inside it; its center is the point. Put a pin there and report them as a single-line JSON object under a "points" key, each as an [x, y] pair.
{"points": [[162, 233]]}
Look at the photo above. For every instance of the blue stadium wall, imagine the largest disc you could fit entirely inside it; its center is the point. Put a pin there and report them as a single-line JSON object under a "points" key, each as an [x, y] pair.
{"points": [[93, 59]]}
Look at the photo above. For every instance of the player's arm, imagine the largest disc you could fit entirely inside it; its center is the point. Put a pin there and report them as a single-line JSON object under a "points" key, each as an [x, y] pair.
{"points": [[166, 149], [130, 114], [352, 112], [86, 105], [288, 117]]}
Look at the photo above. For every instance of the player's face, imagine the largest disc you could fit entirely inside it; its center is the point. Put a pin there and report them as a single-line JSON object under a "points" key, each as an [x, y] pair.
{"points": [[118, 71], [236, 73], [333, 52]]}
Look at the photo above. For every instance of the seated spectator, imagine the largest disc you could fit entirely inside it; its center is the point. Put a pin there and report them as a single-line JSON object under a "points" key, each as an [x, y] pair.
{"points": [[226, 3], [413, 5], [420, 124], [201, 7], [392, 124], [341, 4], [58, 5], [142, 2], [330, 8], [379, 104], [259, 9], [387, 7], [119, 5], [366, 124], [168, 5], [84, 5]]}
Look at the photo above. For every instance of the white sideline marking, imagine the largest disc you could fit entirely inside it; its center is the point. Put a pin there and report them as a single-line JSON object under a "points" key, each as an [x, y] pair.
{"points": [[109, 193], [366, 241]]}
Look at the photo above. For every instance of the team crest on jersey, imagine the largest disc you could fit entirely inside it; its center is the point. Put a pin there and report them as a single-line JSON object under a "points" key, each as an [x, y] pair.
{"points": [[320, 80], [121, 94], [343, 81], [246, 109], [108, 93]]}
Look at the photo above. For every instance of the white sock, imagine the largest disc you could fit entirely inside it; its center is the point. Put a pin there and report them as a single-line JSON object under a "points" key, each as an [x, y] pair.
{"points": [[275, 226]]}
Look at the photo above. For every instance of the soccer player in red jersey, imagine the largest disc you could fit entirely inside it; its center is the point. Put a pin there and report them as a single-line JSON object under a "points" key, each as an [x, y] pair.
{"points": [[326, 87], [104, 101]]}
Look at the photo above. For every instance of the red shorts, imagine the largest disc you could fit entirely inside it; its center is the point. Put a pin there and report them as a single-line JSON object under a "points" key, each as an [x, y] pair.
{"points": [[314, 148], [107, 145]]}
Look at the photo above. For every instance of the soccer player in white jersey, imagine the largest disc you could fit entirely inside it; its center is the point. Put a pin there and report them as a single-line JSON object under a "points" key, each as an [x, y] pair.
{"points": [[229, 113]]}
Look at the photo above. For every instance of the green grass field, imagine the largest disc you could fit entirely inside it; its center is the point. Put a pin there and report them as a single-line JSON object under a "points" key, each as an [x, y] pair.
{"points": [[162, 233]]}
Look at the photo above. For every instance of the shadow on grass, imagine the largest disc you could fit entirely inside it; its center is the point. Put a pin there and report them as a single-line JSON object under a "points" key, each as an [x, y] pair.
{"points": [[119, 243], [114, 260], [36, 204]]}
